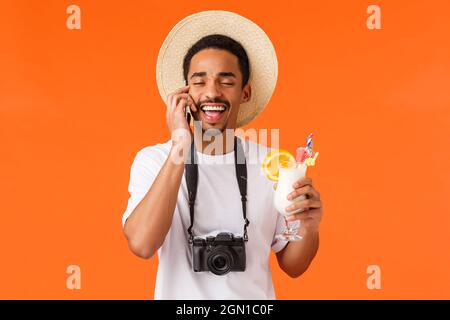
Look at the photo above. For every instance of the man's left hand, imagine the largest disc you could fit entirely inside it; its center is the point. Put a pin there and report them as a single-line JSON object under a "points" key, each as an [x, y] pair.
{"points": [[312, 212]]}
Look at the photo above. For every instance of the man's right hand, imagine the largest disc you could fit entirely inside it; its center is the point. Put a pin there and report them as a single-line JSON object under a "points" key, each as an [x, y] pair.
{"points": [[177, 103]]}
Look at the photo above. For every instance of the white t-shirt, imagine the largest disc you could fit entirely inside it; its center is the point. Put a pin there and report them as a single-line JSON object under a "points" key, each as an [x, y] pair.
{"points": [[217, 208]]}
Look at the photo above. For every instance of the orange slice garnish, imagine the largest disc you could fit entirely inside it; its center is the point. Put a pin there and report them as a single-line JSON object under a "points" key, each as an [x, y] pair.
{"points": [[274, 160]]}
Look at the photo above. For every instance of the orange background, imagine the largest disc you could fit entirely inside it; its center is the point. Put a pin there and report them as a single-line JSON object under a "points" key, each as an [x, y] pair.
{"points": [[76, 106]]}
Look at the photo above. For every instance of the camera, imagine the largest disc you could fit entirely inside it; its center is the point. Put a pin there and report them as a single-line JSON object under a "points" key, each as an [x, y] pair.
{"points": [[220, 254]]}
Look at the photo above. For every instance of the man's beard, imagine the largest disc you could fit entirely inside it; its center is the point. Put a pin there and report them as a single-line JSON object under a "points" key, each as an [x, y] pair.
{"points": [[212, 132]]}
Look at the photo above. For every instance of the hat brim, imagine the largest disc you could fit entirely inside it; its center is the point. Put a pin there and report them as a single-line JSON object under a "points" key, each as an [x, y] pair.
{"points": [[259, 48]]}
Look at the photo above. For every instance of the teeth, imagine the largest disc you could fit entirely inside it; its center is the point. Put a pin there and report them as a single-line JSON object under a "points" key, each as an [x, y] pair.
{"points": [[213, 108]]}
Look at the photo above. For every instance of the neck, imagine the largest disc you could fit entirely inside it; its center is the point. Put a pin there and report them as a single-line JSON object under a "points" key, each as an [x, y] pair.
{"points": [[216, 145]]}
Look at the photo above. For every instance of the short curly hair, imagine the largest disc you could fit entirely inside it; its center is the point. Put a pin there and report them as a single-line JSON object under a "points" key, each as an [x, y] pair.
{"points": [[219, 41]]}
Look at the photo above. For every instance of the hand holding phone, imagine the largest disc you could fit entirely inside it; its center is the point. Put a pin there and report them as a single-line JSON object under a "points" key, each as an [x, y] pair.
{"points": [[179, 107]]}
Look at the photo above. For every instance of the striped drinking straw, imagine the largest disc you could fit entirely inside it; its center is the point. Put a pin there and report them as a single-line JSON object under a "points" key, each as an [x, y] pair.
{"points": [[309, 144]]}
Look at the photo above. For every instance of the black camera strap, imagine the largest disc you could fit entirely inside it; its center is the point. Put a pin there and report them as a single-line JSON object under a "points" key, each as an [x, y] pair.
{"points": [[191, 175]]}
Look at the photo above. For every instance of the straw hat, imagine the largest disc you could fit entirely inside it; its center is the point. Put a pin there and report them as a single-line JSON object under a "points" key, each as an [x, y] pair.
{"points": [[259, 48]]}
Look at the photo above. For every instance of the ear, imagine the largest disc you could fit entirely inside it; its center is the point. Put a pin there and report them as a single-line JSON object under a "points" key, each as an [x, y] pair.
{"points": [[246, 93]]}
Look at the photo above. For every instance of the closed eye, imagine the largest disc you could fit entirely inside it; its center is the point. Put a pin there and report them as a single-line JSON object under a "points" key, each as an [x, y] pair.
{"points": [[224, 83]]}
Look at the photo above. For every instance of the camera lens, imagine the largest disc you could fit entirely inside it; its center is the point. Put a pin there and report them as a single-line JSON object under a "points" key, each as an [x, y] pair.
{"points": [[220, 262]]}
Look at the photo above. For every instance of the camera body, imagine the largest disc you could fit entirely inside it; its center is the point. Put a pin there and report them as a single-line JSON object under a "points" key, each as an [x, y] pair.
{"points": [[220, 254]]}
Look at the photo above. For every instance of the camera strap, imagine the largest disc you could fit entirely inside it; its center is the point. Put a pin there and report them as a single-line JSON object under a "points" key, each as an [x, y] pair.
{"points": [[191, 175]]}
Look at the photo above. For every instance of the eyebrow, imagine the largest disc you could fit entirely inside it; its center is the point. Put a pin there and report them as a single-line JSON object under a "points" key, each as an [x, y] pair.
{"points": [[220, 74]]}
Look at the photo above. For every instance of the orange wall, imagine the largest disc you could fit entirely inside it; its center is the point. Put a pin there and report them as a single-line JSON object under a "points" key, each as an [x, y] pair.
{"points": [[75, 107]]}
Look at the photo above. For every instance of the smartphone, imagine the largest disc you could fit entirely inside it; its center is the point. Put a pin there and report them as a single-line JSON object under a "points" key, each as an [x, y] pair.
{"points": [[188, 115]]}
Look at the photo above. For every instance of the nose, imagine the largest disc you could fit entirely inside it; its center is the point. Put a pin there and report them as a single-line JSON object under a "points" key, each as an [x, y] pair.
{"points": [[212, 90]]}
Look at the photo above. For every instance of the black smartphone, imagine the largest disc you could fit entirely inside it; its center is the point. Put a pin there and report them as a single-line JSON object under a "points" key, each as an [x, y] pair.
{"points": [[188, 115]]}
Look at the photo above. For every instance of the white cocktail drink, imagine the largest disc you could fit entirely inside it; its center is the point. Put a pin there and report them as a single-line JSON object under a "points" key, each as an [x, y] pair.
{"points": [[286, 179]]}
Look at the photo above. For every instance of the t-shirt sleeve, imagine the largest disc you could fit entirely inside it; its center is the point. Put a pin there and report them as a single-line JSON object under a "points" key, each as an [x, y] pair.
{"points": [[144, 170], [278, 245]]}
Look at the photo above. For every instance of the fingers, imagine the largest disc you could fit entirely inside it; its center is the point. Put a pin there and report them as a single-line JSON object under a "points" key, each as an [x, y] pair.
{"points": [[174, 97], [305, 205], [307, 190], [176, 92], [187, 97], [305, 215], [302, 182], [182, 89], [176, 100], [181, 106]]}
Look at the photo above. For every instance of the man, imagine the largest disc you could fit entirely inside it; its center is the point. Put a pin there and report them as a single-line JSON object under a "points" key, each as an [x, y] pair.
{"points": [[228, 83]]}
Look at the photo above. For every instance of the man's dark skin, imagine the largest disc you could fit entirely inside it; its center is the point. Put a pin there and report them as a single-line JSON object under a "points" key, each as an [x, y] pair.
{"points": [[214, 77]]}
